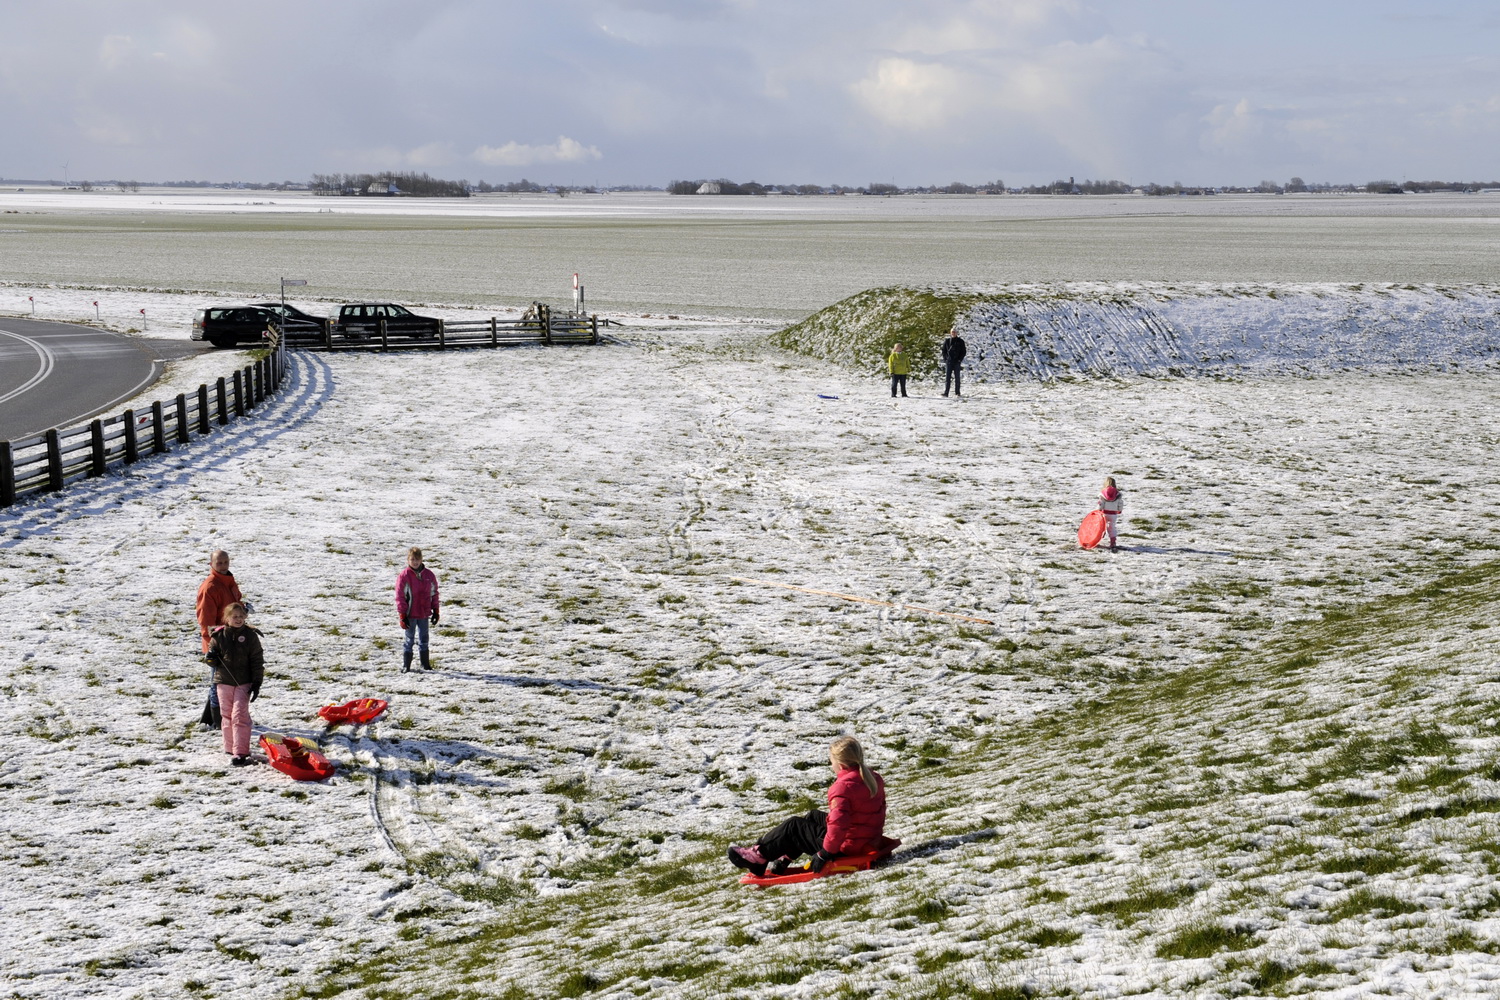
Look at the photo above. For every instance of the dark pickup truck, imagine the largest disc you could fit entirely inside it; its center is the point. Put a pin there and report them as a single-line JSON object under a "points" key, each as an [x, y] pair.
{"points": [[362, 320]]}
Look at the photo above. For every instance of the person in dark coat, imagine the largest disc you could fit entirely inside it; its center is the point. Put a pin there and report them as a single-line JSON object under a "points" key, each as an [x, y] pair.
{"points": [[954, 350], [853, 824]]}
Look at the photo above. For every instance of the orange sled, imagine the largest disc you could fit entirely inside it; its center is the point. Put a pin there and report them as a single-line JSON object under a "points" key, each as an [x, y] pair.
{"points": [[841, 865], [356, 712], [297, 757], [1091, 530]]}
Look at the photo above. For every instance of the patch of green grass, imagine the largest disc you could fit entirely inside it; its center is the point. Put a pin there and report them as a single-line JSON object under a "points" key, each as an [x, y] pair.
{"points": [[1051, 937], [1129, 908], [1200, 940], [1364, 902]]}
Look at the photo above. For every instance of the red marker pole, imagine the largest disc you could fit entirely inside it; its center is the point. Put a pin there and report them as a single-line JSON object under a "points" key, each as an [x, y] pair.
{"points": [[33, 304], [143, 321]]}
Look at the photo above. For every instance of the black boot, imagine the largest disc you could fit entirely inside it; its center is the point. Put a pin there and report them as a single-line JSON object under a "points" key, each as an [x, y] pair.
{"points": [[406, 661], [426, 661]]}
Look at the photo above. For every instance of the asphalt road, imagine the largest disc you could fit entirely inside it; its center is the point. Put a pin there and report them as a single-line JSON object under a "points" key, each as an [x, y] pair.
{"points": [[56, 375]]}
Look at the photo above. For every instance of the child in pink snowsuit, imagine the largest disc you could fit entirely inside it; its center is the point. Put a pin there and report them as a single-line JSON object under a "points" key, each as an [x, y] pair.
{"points": [[239, 668], [1111, 502]]}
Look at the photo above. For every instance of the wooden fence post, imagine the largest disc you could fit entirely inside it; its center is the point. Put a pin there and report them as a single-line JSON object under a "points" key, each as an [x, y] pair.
{"points": [[594, 325], [545, 315], [132, 447], [223, 400], [182, 421], [54, 460], [494, 333], [158, 431], [384, 340], [442, 334], [328, 334], [239, 393], [98, 459], [203, 408], [7, 475], [257, 375]]}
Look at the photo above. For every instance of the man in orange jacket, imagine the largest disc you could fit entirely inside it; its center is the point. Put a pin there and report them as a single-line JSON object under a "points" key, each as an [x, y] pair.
{"points": [[215, 593]]}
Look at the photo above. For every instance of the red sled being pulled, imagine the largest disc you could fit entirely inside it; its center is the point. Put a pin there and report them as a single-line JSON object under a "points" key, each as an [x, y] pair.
{"points": [[842, 865], [297, 757], [356, 712]]}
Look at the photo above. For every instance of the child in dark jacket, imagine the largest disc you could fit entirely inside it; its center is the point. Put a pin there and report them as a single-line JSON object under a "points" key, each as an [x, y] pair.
{"points": [[853, 824], [239, 668]]}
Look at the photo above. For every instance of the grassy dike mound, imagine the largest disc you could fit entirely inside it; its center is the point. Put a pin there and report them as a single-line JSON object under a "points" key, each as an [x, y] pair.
{"points": [[1085, 330], [858, 332]]}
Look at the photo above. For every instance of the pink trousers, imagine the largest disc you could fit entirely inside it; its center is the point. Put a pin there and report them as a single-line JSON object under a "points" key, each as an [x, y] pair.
{"points": [[1109, 525], [234, 713]]}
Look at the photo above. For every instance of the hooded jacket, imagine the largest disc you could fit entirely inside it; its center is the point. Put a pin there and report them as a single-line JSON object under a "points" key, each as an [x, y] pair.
{"points": [[241, 660], [856, 819], [1111, 500], [416, 593], [899, 363]]}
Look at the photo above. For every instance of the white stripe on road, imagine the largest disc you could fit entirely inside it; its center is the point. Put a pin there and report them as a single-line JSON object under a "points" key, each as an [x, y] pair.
{"points": [[46, 367]]}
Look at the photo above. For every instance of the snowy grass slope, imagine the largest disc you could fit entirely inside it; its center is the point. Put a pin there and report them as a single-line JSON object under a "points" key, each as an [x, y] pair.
{"points": [[1253, 754], [1096, 329]]}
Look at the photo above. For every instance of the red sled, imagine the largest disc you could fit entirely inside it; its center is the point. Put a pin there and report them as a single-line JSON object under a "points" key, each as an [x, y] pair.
{"points": [[1091, 531], [842, 865], [297, 757], [356, 712]]}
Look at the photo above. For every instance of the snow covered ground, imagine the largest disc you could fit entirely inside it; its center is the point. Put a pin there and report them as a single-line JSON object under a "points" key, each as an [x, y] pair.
{"points": [[1255, 752]]}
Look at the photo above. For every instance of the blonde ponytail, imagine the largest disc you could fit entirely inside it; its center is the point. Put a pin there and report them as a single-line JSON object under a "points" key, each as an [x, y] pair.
{"points": [[847, 752]]}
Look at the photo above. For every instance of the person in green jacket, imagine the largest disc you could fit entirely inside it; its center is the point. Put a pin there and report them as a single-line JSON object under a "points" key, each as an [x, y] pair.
{"points": [[899, 365]]}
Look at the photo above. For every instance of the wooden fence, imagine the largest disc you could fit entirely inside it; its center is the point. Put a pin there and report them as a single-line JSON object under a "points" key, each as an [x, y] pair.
{"points": [[54, 459], [537, 326]]}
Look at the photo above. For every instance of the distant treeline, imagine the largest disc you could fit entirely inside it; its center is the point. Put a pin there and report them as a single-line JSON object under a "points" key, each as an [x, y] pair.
{"points": [[1071, 186], [389, 183]]}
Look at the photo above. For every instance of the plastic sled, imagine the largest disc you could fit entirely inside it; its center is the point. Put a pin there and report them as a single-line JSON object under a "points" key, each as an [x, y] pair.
{"points": [[842, 865], [1091, 531], [356, 712], [297, 757]]}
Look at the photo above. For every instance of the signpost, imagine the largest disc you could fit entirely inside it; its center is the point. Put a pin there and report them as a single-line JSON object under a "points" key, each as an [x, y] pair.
{"points": [[297, 282]]}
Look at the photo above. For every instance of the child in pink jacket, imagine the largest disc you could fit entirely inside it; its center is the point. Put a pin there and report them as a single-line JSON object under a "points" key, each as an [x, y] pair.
{"points": [[416, 606], [853, 824], [1111, 502]]}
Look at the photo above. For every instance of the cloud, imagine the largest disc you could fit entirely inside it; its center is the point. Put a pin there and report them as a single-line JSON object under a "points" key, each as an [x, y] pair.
{"points": [[515, 154], [911, 94]]}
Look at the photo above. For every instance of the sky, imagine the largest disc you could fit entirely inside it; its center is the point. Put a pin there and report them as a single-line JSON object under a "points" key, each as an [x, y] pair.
{"points": [[619, 92]]}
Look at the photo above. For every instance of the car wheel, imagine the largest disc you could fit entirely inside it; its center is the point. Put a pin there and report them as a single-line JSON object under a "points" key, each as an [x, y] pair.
{"points": [[221, 341]]}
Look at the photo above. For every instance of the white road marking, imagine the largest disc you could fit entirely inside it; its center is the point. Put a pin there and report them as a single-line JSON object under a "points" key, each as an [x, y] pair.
{"points": [[47, 364]]}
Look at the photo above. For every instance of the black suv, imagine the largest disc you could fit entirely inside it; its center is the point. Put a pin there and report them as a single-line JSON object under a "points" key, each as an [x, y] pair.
{"points": [[234, 325], [362, 320]]}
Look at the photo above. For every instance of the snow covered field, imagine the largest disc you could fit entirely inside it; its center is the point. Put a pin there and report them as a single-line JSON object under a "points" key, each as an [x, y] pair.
{"points": [[1254, 753]]}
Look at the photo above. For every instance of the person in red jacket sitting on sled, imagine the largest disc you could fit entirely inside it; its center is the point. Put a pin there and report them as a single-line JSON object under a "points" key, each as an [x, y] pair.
{"points": [[853, 824]]}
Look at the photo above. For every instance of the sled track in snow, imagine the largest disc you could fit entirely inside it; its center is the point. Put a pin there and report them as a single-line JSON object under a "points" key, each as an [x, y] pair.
{"points": [[310, 384]]}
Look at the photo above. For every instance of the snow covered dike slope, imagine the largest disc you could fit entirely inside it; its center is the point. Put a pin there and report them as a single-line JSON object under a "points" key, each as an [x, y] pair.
{"points": [[1087, 329], [1254, 753]]}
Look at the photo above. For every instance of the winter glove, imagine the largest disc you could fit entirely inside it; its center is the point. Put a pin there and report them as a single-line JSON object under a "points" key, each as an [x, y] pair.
{"points": [[819, 860], [213, 657], [254, 692], [404, 626], [434, 616], [249, 608]]}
